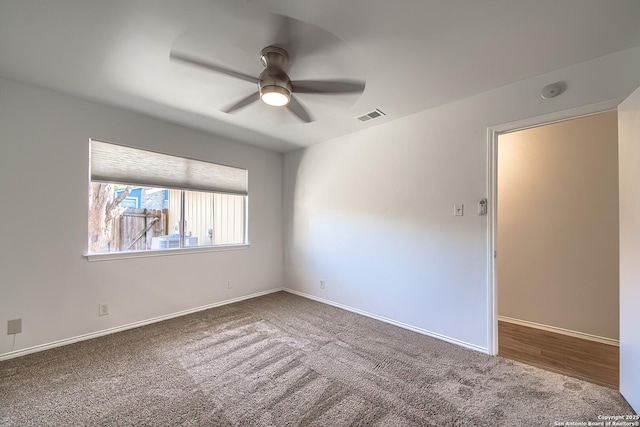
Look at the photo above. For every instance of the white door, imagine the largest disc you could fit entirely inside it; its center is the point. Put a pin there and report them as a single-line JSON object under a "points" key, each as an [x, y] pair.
{"points": [[629, 163]]}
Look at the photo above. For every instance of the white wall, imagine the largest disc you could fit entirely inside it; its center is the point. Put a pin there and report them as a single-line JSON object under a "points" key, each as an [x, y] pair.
{"points": [[372, 212], [558, 225], [629, 155], [44, 278]]}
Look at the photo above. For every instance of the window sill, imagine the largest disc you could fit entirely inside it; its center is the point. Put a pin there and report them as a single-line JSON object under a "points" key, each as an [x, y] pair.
{"points": [[164, 252]]}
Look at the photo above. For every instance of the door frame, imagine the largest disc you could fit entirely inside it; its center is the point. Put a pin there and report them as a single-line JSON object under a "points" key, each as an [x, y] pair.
{"points": [[493, 132]]}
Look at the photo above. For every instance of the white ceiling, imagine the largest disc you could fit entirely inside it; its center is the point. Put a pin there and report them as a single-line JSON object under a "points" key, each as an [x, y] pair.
{"points": [[413, 54]]}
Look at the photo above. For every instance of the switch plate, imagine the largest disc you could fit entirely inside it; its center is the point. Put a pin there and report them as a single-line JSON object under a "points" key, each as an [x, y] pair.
{"points": [[458, 210], [321, 284], [14, 326]]}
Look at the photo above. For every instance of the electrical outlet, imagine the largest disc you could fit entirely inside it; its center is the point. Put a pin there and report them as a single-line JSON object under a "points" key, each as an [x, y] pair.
{"points": [[229, 284], [103, 309], [14, 326], [321, 284]]}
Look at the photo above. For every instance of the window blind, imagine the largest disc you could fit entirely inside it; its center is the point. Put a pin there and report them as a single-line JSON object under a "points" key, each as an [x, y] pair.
{"points": [[126, 165]]}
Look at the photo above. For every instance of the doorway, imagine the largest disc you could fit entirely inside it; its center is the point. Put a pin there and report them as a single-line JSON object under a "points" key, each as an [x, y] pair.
{"points": [[556, 236]]}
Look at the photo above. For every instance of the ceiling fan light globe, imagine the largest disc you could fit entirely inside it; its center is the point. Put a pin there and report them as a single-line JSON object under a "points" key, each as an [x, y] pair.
{"points": [[275, 96], [275, 99]]}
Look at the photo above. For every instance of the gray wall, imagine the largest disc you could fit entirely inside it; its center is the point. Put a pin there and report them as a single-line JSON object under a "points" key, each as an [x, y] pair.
{"points": [[46, 280], [372, 213]]}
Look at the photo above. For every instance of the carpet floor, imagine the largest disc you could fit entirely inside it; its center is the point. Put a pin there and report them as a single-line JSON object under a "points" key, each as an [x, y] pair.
{"points": [[283, 360]]}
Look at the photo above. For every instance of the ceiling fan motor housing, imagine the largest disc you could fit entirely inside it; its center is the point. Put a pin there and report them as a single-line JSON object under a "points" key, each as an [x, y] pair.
{"points": [[274, 77]]}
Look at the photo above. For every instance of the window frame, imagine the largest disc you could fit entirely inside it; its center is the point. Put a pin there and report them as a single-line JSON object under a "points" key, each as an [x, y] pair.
{"points": [[182, 250], [109, 256]]}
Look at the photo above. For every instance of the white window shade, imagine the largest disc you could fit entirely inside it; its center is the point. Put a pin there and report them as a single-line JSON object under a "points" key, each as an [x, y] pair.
{"points": [[120, 164]]}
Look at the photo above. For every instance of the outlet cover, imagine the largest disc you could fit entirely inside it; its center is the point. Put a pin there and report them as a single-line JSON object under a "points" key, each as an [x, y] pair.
{"points": [[103, 309], [14, 326]]}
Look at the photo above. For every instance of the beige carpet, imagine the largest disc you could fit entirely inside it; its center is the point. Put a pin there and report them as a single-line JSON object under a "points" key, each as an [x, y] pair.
{"points": [[282, 360]]}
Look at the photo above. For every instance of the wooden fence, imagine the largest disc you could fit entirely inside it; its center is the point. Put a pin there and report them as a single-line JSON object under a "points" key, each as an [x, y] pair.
{"points": [[134, 228]]}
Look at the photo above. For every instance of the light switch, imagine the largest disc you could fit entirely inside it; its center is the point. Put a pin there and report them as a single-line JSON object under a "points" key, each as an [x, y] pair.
{"points": [[458, 210]]}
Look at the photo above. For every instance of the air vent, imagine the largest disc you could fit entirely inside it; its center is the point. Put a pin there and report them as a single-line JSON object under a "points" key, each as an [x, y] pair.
{"points": [[372, 115]]}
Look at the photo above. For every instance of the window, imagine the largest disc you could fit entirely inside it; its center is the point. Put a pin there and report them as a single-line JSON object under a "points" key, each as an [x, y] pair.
{"points": [[145, 201]]}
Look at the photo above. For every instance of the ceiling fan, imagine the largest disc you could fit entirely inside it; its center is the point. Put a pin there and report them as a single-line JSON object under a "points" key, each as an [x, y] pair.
{"points": [[275, 88]]}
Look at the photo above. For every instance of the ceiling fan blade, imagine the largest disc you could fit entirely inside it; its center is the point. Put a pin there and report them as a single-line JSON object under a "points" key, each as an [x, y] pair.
{"points": [[299, 38], [328, 86], [213, 67], [298, 109], [243, 103], [282, 34]]}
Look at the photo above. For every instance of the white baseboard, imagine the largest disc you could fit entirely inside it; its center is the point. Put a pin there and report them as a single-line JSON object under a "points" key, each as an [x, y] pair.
{"points": [[562, 331], [391, 321], [66, 341]]}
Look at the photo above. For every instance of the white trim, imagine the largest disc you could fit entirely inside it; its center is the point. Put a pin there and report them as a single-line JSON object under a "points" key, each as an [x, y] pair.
{"points": [[492, 156], [163, 252], [554, 329], [558, 116], [66, 341], [492, 191], [390, 321]]}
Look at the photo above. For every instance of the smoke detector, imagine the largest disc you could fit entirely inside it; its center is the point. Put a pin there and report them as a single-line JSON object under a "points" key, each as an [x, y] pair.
{"points": [[553, 90]]}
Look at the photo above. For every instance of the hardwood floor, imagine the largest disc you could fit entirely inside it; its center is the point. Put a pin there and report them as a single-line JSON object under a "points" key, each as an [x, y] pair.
{"points": [[576, 357]]}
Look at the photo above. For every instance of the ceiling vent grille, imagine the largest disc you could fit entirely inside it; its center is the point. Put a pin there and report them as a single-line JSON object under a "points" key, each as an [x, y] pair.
{"points": [[372, 115]]}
